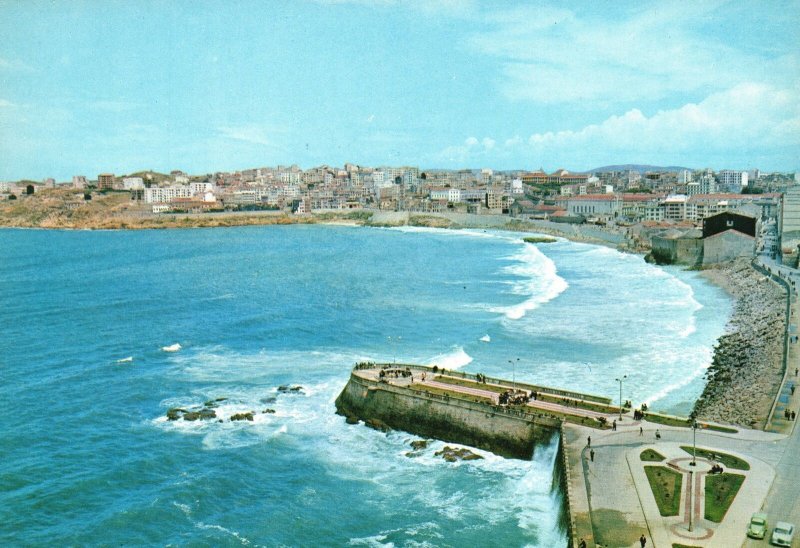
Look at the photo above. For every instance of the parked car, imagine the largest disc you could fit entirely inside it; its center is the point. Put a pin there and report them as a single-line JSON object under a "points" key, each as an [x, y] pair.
{"points": [[758, 526], [782, 534]]}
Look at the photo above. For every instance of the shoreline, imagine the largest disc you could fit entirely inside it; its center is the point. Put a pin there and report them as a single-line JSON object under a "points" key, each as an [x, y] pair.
{"points": [[745, 371]]}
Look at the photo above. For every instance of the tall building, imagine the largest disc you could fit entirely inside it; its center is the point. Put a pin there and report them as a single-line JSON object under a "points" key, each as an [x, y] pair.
{"points": [[732, 181], [105, 181]]}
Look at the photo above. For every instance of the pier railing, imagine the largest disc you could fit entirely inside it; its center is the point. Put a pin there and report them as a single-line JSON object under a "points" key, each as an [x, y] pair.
{"points": [[492, 380], [540, 419], [777, 277]]}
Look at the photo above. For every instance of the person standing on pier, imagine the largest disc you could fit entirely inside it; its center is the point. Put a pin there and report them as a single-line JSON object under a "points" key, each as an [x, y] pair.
{"points": [[588, 441], [642, 540]]}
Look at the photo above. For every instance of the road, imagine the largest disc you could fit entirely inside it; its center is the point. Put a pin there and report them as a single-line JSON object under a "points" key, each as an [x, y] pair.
{"points": [[783, 500]]}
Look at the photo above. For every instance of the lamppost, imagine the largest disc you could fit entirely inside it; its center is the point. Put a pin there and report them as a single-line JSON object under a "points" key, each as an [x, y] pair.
{"points": [[514, 373], [694, 439], [393, 342], [619, 380]]}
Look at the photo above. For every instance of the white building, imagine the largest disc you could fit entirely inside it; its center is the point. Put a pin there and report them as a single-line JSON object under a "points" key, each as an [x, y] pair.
{"points": [[200, 188], [732, 181], [79, 181], [516, 186], [157, 195], [130, 183]]}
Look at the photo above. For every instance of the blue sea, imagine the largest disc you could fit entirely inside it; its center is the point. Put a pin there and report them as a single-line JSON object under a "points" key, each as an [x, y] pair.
{"points": [[87, 456]]}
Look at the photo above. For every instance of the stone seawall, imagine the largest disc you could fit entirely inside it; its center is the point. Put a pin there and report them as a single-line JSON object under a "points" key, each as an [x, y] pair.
{"points": [[747, 368], [509, 432]]}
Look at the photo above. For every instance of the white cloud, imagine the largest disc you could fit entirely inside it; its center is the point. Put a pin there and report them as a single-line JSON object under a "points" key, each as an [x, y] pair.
{"points": [[14, 64], [250, 134], [746, 119], [551, 55], [473, 148]]}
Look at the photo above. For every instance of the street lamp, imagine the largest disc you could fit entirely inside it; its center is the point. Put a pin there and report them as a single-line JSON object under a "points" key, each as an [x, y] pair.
{"points": [[694, 439], [514, 373], [619, 380]]}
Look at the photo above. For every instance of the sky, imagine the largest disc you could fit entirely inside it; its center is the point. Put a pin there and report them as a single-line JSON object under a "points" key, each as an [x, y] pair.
{"points": [[91, 86]]}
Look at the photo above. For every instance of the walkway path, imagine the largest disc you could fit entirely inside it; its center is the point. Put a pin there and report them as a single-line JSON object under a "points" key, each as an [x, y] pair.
{"points": [[611, 498], [536, 404]]}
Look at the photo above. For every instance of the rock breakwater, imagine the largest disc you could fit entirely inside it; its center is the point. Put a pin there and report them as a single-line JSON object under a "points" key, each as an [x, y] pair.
{"points": [[747, 367]]}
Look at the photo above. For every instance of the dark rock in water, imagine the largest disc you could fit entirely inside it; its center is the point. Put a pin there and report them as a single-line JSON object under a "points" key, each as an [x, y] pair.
{"points": [[191, 416], [268, 411], [416, 445], [211, 404], [175, 413], [221, 399], [220, 420], [206, 414], [242, 416], [351, 419], [377, 425], [269, 399], [286, 388], [412, 454], [451, 454]]}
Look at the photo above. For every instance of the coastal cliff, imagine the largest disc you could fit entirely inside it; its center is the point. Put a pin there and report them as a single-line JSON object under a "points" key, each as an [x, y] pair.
{"points": [[747, 367]]}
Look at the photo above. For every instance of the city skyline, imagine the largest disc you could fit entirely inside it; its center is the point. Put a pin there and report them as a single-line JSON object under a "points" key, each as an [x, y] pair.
{"points": [[89, 87]]}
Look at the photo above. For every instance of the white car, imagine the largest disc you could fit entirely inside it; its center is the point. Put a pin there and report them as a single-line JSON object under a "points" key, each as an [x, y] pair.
{"points": [[782, 534]]}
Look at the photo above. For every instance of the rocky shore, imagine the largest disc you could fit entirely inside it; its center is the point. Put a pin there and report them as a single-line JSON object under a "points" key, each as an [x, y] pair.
{"points": [[748, 360]]}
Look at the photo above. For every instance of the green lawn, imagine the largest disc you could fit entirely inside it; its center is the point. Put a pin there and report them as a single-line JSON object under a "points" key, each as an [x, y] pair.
{"points": [[649, 455], [728, 461], [721, 489], [666, 487]]}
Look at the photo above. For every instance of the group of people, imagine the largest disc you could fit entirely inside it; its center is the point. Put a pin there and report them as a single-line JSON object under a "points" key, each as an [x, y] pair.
{"points": [[790, 415], [509, 397], [716, 469], [638, 414], [394, 373]]}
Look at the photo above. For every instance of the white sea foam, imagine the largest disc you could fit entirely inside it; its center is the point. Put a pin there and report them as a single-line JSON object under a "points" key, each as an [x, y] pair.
{"points": [[125, 360], [220, 528], [486, 338], [540, 280], [684, 379], [172, 348], [454, 359]]}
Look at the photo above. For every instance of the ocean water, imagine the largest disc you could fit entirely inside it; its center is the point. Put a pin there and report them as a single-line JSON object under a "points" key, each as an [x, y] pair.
{"points": [[87, 456]]}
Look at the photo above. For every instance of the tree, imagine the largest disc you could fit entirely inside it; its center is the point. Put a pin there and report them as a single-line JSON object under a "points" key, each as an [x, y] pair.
{"points": [[87, 196], [12, 196]]}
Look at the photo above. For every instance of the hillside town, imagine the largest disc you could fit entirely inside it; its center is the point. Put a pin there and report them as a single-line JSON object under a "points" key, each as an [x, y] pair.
{"points": [[657, 209]]}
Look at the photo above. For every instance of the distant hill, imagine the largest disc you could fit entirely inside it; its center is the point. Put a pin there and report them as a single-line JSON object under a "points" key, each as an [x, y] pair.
{"points": [[641, 168], [148, 176]]}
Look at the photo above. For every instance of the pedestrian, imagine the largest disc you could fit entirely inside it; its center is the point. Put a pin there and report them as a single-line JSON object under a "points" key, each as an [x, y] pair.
{"points": [[582, 544], [641, 431], [793, 415], [591, 455], [614, 425], [795, 372], [588, 441], [642, 541], [786, 414], [658, 434], [792, 389]]}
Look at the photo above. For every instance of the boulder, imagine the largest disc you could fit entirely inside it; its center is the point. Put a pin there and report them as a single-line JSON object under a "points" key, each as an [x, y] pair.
{"points": [[378, 425], [268, 411], [417, 445], [175, 413], [351, 419], [451, 454], [242, 416]]}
